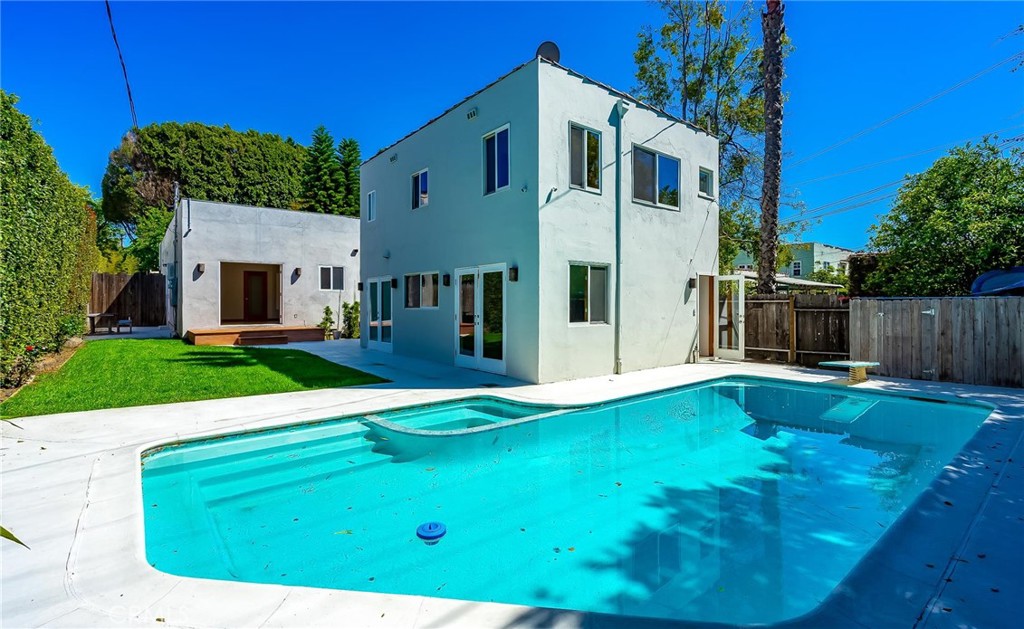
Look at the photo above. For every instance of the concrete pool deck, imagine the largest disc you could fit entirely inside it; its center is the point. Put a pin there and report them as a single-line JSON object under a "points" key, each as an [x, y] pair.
{"points": [[71, 491]]}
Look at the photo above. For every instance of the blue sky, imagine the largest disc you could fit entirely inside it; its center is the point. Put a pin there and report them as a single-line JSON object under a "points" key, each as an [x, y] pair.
{"points": [[376, 70]]}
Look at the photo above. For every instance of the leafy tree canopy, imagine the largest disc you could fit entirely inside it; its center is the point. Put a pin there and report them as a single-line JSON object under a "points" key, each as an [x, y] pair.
{"points": [[323, 181], [951, 223], [350, 158]]}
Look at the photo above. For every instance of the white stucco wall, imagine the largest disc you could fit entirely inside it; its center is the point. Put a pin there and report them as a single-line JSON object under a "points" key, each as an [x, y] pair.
{"points": [[214, 233], [661, 248], [461, 226], [541, 225]]}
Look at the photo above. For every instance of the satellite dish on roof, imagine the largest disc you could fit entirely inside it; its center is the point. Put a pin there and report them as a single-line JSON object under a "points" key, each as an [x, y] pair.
{"points": [[548, 50]]}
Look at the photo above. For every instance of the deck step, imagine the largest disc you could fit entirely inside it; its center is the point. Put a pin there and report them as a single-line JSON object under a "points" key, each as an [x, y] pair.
{"points": [[262, 339]]}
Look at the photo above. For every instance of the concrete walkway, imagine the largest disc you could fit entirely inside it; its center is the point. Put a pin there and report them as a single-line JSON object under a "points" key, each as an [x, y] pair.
{"points": [[71, 490]]}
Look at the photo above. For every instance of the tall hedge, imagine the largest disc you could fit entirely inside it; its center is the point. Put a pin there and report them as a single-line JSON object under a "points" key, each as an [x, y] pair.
{"points": [[47, 246]]}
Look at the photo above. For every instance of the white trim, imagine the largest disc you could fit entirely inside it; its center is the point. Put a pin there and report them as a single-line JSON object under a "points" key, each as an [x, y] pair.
{"points": [[483, 155], [679, 181], [600, 146]]}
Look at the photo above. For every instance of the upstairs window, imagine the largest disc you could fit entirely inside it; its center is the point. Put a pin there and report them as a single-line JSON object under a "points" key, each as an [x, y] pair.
{"points": [[421, 290], [420, 194], [584, 158], [706, 183], [796, 268], [496, 162], [332, 278], [655, 178], [588, 293], [371, 206]]}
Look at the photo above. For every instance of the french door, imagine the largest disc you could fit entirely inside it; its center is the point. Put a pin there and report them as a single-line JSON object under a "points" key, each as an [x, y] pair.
{"points": [[480, 340], [379, 324], [729, 309]]}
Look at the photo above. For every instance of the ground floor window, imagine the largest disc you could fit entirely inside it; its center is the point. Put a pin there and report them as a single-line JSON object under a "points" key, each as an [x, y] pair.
{"points": [[332, 278], [421, 290], [588, 293]]}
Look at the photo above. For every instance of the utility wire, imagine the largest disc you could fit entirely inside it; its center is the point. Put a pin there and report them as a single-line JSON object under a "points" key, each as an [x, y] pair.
{"points": [[839, 210], [909, 110], [124, 68], [902, 157]]}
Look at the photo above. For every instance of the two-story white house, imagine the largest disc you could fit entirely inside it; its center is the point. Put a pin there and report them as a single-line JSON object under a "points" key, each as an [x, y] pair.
{"points": [[547, 227]]}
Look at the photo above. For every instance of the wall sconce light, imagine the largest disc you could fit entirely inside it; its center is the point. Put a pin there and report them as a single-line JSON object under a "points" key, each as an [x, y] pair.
{"points": [[394, 282], [446, 279], [359, 287], [354, 253], [387, 255], [201, 268], [513, 274], [298, 272], [692, 283]]}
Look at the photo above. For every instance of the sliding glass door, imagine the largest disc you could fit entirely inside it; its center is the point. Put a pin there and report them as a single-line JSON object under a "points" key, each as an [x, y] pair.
{"points": [[480, 318]]}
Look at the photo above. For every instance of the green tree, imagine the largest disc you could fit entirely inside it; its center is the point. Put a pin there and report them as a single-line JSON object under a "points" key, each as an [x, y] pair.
{"points": [[211, 163], [350, 158], [47, 247], [951, 223], [323, 182], [702, 65], [830, 276], [150, 228]]}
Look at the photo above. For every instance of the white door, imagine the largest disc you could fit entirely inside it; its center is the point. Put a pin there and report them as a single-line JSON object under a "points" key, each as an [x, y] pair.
{"points": [[480, 340], [379, 324], [729, 304]]}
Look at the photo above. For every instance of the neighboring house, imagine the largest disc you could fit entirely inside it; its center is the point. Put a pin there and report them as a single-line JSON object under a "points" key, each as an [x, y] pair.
{"points": [[232, 266], [489, 235], [807, 258]]}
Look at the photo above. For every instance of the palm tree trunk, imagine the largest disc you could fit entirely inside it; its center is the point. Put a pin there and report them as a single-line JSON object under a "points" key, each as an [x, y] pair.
{"points": [[773, 28]]}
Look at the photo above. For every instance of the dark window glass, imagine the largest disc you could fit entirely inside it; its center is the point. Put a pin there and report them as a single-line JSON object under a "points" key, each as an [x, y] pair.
{"points": [[491, 173], [578, 293], [493, 314], [576, 157], [424, 193], [668, 181], [419, 190], [503, 159], [325, 278], [338, 281], [593, 161], [644, 187], [412, 291], [598, 294], [428, 290]]}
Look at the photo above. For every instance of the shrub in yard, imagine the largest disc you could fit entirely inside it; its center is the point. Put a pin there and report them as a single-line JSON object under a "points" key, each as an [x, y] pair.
{"points": [[327, 323], [47, 246], [350, 319]]}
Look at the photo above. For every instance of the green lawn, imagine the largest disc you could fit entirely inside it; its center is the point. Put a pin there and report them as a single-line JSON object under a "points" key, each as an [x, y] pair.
{"points": [[126, 372]]}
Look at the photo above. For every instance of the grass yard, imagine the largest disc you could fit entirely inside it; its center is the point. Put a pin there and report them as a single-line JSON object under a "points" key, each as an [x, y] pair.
{"points": [[127, 372]]}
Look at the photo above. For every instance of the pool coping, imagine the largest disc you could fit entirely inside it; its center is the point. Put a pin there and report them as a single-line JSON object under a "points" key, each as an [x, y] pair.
{"points": [[105, 577]]}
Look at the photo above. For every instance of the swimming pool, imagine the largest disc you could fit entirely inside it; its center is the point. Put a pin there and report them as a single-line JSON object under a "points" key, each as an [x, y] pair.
{"points": [[738, 500]]}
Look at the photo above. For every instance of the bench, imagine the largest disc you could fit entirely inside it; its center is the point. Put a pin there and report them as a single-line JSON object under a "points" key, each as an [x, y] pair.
{"points": [[858, 368], [124, 322]]}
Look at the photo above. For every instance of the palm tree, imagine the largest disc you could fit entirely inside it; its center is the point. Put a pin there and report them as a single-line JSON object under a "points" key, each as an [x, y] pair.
{"points": [[771, 67]]}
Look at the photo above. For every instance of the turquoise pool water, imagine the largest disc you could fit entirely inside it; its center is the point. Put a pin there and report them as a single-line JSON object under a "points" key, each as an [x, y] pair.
{"points": [[744, 500]]}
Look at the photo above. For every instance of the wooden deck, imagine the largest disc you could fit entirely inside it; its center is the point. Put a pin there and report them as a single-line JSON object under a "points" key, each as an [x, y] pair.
{"points": [[254, 335]]}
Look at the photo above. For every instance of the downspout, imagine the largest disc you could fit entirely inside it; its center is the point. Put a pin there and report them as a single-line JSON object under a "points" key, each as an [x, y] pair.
{"points": [[620, 112]]}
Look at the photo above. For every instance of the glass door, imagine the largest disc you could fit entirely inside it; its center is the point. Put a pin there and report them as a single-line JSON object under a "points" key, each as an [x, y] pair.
{"points": [[480, 318], [729, 305], [379, 321]]}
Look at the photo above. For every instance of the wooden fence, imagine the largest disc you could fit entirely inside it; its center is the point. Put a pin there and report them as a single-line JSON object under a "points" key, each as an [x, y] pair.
{"points": [[973, 340], [139, 296], [804, 329]]}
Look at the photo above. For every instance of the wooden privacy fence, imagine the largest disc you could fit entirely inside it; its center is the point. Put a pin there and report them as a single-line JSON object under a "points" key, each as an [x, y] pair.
{"points": [[973, 340], [139, 296], [804, 329]]}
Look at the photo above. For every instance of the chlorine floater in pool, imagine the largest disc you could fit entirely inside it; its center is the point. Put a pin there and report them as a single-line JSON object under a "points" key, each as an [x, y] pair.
{"points": [[431, 532]]}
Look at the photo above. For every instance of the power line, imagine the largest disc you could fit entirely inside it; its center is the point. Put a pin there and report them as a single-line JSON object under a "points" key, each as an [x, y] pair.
{"points": [[907, 156], [839, 210], [124, 68], [812, 213], [905, 112]]}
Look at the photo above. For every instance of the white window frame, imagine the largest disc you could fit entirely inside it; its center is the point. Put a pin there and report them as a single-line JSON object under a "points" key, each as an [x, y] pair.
{"points": [[657, 168], [319, 271], [437, 289], [483, 157], [371, 206], [707, 195], [600, 174], [568, 293], [797, 268], [416, 199]]}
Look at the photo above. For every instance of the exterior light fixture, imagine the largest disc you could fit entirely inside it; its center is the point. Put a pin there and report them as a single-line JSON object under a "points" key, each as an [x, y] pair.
{"points": [[201, 268], [692, 283], [298, 271], [359, 287], [394, 282], [513, 274], [446, 279], [354, 253]]}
